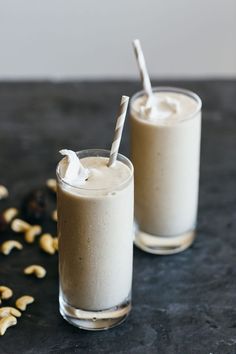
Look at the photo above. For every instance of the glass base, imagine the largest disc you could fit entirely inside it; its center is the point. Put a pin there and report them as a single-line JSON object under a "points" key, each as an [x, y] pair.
{"points": [[95, 320], [163, 245]]}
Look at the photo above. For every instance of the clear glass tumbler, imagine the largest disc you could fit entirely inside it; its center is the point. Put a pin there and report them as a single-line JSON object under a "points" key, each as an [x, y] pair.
{"points": [[166, 155], [95, 229]]}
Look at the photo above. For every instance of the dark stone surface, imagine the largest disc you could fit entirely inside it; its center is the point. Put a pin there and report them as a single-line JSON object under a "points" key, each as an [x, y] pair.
{"points": [[184, 304]]}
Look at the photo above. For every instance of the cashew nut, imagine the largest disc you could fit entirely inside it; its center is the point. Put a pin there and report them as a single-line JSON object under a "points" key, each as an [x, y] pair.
{"points": [[23, 301], [9, 214], [3, 192], [32, 232], [55, 243], [19, 225], [7, 311], [7, 322], [54, 215], [5, 293], [46, 243], [51, 183], [38, 270], [8, 246]]}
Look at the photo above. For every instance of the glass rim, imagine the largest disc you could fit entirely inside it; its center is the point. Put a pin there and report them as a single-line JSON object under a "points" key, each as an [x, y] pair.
{"points": [[125, 159], [171, 89]]}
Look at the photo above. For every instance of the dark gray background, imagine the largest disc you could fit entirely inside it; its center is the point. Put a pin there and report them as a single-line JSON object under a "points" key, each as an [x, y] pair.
{"points": [[184, 304]]}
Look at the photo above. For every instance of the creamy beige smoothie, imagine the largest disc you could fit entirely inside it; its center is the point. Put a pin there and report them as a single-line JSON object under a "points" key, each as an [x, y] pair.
{"points": [[165, 151], [95, 223]]}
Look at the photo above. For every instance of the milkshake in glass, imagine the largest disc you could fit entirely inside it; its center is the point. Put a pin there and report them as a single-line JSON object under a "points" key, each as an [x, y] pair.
{"points": [[95, 228], [165, 151]]}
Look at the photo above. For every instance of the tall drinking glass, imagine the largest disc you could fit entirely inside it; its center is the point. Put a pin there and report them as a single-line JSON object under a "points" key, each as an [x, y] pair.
{"points": [[165, 154], [95, 229]]}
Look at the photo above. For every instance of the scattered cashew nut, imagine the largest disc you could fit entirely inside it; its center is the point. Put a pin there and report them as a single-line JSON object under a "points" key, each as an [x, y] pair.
{"points": [[38, 270], [46, 243], [32, 232], [9, 214], [7, 322], [19, 225], [3, 192], [23, 301], [55, 243], [54, 215], [5, 293], [7, 311], [51, 183], [8, 246]]}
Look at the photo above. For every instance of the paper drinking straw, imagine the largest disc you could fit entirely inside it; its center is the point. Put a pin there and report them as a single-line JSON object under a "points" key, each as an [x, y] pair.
{"points": [[143, 69], [118, 129]]}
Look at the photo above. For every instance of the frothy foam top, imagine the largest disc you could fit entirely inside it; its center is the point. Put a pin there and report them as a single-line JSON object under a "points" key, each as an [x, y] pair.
{"points": [[103, 177], [165, 108], [93, 172]]}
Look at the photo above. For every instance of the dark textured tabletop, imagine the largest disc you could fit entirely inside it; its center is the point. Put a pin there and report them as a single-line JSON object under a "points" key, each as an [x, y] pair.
{"points": [[182, 304]]}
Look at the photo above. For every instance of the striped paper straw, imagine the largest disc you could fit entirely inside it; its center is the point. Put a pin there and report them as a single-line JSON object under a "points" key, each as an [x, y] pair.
{"points": [[143, 69], [118, 129]]}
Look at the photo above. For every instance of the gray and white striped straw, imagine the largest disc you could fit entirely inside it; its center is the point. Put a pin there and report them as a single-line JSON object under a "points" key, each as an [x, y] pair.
{"points": [[118, 129], [143, 68]]}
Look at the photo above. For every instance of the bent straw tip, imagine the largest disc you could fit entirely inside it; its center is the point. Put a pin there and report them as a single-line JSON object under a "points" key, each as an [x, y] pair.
{"points": [[136, 42]]}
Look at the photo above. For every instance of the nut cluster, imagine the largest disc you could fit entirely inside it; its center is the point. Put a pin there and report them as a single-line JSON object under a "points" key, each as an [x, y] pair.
{"points": [[8, 314], [30, 231], [32, 210]]}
